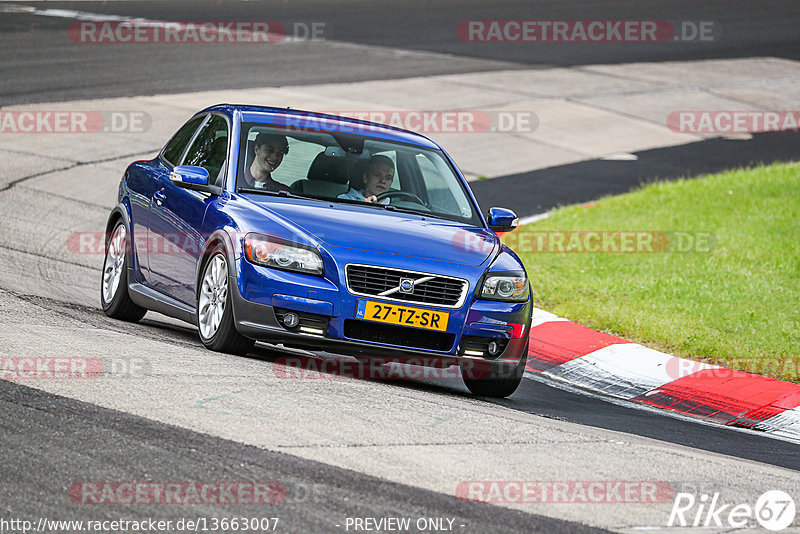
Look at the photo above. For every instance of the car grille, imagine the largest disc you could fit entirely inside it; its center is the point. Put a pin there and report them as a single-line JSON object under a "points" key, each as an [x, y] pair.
{"points": [[398, 335], [376, 281]]}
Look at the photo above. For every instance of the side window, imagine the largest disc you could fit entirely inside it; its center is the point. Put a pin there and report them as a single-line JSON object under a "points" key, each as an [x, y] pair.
{"points": [[174, 149], [210, 148], [296, 163], [442, 193]]}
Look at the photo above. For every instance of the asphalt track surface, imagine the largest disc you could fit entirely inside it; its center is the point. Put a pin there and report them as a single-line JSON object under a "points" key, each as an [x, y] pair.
{"points": [[49, 441], [41, 64], [542, 190]]}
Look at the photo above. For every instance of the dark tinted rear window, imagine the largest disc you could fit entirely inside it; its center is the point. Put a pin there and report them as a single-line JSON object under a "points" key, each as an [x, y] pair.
{"points": [[174, 149], [210, 148]]}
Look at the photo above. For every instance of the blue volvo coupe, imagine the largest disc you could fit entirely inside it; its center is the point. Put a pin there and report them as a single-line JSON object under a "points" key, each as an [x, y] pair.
{"points": [[320, 232]]}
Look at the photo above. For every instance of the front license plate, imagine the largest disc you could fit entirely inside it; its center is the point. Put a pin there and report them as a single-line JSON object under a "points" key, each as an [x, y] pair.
{"points": [[402, 315]]}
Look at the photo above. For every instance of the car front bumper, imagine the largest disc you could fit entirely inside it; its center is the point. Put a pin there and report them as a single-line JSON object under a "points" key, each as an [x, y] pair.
{"points": [[261, 295]]}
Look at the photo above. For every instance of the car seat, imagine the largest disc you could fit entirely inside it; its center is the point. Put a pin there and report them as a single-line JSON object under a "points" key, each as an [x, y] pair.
{"points": [[327, 177]]}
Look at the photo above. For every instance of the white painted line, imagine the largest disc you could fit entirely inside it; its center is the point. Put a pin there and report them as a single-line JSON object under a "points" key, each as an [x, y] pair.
{"points": [[618, 373], [540, 317], [278, 39], [555, 382], [533, 218], [65, 13], [622, 156], [738, 137], [784, 424]]}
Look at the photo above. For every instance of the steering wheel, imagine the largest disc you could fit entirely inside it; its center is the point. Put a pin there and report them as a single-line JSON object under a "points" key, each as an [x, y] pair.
{"points": [[406, 194]]}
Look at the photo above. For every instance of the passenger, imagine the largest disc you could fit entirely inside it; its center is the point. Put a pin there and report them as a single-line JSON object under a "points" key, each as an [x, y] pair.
{"points": [[378, 177], [269, 151]]}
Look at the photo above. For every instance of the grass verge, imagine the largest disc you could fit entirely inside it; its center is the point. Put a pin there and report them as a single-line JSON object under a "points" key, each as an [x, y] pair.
{"points": [[731, 299]]}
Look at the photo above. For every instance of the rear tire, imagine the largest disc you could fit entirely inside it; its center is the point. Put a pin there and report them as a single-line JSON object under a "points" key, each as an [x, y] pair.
{"points": [[215, 310], [497, 387], [114, 296]]}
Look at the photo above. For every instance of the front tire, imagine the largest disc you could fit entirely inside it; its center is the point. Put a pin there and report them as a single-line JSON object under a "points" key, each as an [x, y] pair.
{"points": [[497, 387], [214, 309], [114, 296]]}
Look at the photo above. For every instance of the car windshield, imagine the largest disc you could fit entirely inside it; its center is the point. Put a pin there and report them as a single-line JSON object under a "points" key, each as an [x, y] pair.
{"points": [[333, 166]]}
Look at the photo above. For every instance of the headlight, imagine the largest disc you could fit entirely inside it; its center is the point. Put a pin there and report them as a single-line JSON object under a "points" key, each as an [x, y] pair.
{"points": [[281, 254], [505, 287]]}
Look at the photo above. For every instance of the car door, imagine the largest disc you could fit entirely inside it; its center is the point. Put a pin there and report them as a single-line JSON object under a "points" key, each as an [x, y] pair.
{"points": [[145, 180], [177, 214]]}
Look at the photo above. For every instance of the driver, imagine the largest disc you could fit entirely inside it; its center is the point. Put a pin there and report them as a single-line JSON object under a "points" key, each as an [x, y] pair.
{"points": [[378, 177]]}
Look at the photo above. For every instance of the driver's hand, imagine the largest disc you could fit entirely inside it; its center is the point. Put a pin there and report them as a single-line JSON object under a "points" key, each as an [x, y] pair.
{"points": [[372, 199]]}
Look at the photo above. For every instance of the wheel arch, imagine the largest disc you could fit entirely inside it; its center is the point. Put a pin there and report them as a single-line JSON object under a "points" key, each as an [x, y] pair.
{"points": [[217, 238], [117, 212], [120, 212]]}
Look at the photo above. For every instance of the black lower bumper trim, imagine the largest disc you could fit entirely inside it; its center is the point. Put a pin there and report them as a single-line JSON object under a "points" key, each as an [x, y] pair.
{"points": [[258, 321], [398, 335]]}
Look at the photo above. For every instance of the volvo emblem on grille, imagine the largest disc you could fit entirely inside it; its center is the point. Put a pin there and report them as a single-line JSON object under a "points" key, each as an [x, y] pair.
{"points": [[407, 285]]}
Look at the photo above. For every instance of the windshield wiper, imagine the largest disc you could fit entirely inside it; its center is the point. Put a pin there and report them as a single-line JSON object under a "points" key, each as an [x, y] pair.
{"points": [[260, 191], [288, 194], [392, 207], [433, 214]]}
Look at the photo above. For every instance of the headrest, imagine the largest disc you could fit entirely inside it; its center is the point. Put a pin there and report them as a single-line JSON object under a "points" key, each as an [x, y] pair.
{"points": [[357, 178], [250, 155], [328, 169]]}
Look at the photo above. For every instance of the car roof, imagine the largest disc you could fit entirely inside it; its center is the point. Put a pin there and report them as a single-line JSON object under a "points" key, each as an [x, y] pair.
{"points": [[300, 119]]}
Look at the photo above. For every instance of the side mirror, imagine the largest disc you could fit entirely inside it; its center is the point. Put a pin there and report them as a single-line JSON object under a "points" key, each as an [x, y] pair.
{"points": [[502, 220], [194, 178], [189, 174]]}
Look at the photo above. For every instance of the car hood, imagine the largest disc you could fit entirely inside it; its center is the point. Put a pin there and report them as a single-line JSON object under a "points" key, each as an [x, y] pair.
{"points": [[374, 230]]}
